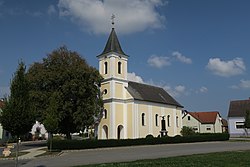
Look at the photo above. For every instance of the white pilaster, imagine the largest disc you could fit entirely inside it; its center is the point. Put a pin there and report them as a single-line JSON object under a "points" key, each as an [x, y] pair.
{"points": [[175, 125], [150, 120], [125, 121]]}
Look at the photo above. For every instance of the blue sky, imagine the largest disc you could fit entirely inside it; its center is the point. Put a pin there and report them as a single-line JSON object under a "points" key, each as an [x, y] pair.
{"points": [[197, 50]]}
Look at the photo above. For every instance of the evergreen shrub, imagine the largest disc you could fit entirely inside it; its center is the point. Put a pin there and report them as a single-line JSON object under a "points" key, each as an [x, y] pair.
{"points": [[91, 143]]}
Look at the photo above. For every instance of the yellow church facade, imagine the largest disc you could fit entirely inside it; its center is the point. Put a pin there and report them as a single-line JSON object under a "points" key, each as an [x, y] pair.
{"points": [[132, 110]]}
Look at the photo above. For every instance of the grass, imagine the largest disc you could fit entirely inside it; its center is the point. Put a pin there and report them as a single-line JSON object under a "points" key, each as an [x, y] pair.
{"points": [[228, 159]]}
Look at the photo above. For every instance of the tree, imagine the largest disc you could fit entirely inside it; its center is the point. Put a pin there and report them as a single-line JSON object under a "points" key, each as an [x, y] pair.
{"points": [[17, 116], [187, 131], [51, 120], [247, 121], [67, 75]]}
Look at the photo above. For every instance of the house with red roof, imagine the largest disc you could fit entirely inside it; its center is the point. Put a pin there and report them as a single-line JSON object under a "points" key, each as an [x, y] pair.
{"points": [[203, 122], [236, 118]]}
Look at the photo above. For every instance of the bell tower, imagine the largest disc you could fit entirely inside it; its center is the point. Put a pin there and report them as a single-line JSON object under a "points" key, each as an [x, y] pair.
{"points": [[113, 68], [113, 61]]}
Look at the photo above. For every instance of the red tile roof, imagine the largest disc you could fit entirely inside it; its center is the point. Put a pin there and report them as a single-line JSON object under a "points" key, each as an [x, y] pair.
{"points": [[205, 117]]}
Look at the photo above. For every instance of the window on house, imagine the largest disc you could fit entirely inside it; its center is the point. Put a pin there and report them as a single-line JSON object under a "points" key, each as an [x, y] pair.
{"points": [[156, 120], [177, 121], [119, 67], [189, 118], [105, 67], [105, 114], [239, 125], [168, 120], [208, 128], [143, 119]]}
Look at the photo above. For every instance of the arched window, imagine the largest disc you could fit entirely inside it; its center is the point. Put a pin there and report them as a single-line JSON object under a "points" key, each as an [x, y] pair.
{"points": [[105, 132], [156, 120], [105, 114], [105, 67], [168, 120], [119, 67], [143, 119], [177, 121]]}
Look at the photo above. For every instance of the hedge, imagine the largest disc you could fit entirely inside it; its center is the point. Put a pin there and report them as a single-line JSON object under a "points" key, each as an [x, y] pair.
{"points": [[89, 144]]}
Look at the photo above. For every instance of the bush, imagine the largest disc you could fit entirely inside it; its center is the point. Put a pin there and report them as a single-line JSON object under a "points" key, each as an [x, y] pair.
{"points": [[187, 131], [89, 144], [149, 137]]}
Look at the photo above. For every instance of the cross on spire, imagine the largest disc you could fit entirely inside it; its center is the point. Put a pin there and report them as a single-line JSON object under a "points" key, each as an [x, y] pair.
{"points": [[113, 19]]}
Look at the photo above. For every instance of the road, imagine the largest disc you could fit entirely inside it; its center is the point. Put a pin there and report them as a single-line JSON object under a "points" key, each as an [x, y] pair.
{"points": [[123, 154]]}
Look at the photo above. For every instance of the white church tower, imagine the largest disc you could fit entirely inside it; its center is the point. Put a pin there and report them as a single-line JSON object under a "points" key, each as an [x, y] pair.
{"points": [[113, 68]]}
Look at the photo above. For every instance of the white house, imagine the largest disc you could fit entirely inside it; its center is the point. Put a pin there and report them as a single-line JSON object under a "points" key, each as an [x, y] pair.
{"points": [[203, 122], [236, 117], [38, 131]]}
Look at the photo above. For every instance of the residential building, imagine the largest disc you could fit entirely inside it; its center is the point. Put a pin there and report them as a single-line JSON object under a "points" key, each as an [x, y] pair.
{"points": [[131, 109], [236, 118], [203, 122]]}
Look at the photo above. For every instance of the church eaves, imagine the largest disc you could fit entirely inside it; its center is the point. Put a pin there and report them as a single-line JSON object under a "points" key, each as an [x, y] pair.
{"points": [[113, 45]]}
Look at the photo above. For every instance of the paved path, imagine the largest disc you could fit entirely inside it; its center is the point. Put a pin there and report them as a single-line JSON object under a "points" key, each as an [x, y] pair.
{"points": [[122, 154], [33, 152]]}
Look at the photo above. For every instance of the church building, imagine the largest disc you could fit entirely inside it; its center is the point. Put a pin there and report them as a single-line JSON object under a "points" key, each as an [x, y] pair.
{"points": [[133, 110]]}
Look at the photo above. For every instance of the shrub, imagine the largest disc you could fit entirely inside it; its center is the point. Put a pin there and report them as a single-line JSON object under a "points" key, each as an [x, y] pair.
{"points": [[187, 131], [149, 136], [89, 144]]}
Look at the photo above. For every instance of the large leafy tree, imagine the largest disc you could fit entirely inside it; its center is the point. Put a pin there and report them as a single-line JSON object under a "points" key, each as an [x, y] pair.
{"points": [[17, 116], [66, 77]]}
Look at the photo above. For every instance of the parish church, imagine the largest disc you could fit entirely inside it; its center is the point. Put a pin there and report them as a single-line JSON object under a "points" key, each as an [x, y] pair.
{"points": [[133, 110]]}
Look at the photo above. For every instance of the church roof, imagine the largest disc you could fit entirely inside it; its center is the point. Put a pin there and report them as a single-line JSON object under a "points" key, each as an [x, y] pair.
{"points": [[238, 108], [150, 93], [113, 45]]}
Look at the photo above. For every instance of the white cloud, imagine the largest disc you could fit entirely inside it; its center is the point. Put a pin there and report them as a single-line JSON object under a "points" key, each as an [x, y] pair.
{"points": [[244, 84], [181, 58], [131, 15], [203, 89], [133, 77], [159, 61], [176, 91], [226, 68], [51, 10]]}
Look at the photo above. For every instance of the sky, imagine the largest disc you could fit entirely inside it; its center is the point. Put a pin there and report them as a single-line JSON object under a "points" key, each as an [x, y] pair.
{"points": [[197, 50]]}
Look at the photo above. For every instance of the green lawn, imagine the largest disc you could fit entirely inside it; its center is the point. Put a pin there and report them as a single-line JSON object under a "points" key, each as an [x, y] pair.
{"points": [[224, 159]]}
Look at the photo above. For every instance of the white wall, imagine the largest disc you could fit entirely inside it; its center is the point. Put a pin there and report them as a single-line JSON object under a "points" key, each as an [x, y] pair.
{"points": [[233, 131], [42, 129]]}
